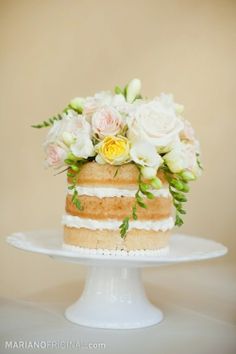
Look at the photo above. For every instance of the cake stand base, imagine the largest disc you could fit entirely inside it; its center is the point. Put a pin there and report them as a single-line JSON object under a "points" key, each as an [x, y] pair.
{"points": [[113, 297]]}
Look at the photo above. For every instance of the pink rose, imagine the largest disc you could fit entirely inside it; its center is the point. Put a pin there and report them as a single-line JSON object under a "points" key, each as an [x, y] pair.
{"points": [[187, 134], [106, 121], [100, 99], [55, 156]]}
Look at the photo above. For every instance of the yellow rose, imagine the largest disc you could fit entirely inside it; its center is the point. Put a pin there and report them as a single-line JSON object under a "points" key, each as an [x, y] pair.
{"points": [[113, 150]]}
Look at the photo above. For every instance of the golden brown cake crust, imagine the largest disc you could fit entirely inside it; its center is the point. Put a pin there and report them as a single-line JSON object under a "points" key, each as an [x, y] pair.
{"points": [[111, 240], [118, 208], [102, 175]]}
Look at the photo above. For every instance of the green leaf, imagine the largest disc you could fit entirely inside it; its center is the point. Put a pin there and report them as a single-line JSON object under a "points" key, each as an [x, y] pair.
{"points": [[178, 221], [179, 196], [124, 227], [117, 170], [143, 187], [177, 184], [75, 168], [142, 204], [118, 91], [68, 161], [149, 195], [134, 212], [69, 174]]}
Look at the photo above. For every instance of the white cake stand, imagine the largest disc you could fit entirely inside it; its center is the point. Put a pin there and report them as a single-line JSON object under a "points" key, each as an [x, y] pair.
{"points": [[114, 296]]}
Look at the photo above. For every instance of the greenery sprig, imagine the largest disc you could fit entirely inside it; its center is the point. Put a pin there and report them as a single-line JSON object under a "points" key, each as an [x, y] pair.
{"points": [[48, 123], [73, 172], [143, 191], [178, 186]]}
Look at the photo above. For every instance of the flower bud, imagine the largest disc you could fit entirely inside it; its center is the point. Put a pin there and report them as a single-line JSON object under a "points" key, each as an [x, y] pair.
{"points": [[177, 184], [156, 183], [71, 156], [179, 108], [148, 172], [133, 90], [188, 176], [68, 138], [74, 168], [77, 104]]}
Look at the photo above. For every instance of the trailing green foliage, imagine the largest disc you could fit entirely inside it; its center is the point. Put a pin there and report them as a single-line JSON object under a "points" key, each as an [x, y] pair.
{"points": [[178, 186], [48, 123], [73, 172], [143, 191]]}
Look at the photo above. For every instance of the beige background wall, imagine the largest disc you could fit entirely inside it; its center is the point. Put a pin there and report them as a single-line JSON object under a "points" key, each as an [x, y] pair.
{"points": [[54, 50]]}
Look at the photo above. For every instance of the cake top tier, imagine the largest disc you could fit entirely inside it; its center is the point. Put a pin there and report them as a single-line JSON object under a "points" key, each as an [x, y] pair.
{"points": [[123, 127]]}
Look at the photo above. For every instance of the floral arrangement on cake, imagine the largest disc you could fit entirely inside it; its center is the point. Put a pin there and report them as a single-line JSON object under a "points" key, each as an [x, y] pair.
{"points": [[123, 127]]}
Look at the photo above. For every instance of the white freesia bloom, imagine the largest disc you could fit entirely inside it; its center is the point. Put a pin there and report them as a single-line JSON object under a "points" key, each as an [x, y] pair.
{"points": [[182, 157], [65, 131], [145, 154], [155, 122], [83, 147]]}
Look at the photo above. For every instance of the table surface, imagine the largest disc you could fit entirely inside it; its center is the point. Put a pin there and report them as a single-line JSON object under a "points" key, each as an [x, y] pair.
{"points": [[198, 301]]}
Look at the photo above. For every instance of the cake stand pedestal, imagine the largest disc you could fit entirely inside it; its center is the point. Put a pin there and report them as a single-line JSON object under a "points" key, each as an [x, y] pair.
{"points": [[113, 295]]}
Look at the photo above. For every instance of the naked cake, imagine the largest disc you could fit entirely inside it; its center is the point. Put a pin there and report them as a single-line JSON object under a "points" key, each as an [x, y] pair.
{"points": [[129, 161]]}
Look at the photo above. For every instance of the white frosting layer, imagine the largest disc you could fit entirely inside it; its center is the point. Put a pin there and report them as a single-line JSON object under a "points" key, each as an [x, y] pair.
{"points": [[102, 192], [76, 221], [99, 251]]}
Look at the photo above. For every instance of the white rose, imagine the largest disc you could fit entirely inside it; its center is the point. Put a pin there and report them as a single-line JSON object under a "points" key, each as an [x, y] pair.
{"points": [[83, 147], [155, 122], [168, 101], [145, 154], [182, 157]]}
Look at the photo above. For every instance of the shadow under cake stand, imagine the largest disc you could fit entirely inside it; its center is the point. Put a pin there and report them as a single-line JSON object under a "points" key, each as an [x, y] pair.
{"points": [[114, 296]]}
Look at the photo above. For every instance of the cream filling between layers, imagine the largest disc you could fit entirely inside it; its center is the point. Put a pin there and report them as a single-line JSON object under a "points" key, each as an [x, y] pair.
{"points": [[110, 224], [104, 192]]}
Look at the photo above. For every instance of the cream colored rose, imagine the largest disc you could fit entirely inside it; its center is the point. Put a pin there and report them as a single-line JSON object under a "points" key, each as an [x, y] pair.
{"points": [[156, 123], [106, 121], [182, 157]]}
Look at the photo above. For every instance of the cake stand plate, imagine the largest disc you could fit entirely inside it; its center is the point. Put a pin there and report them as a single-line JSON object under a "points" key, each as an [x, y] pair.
{"points": [[114, 296]]}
